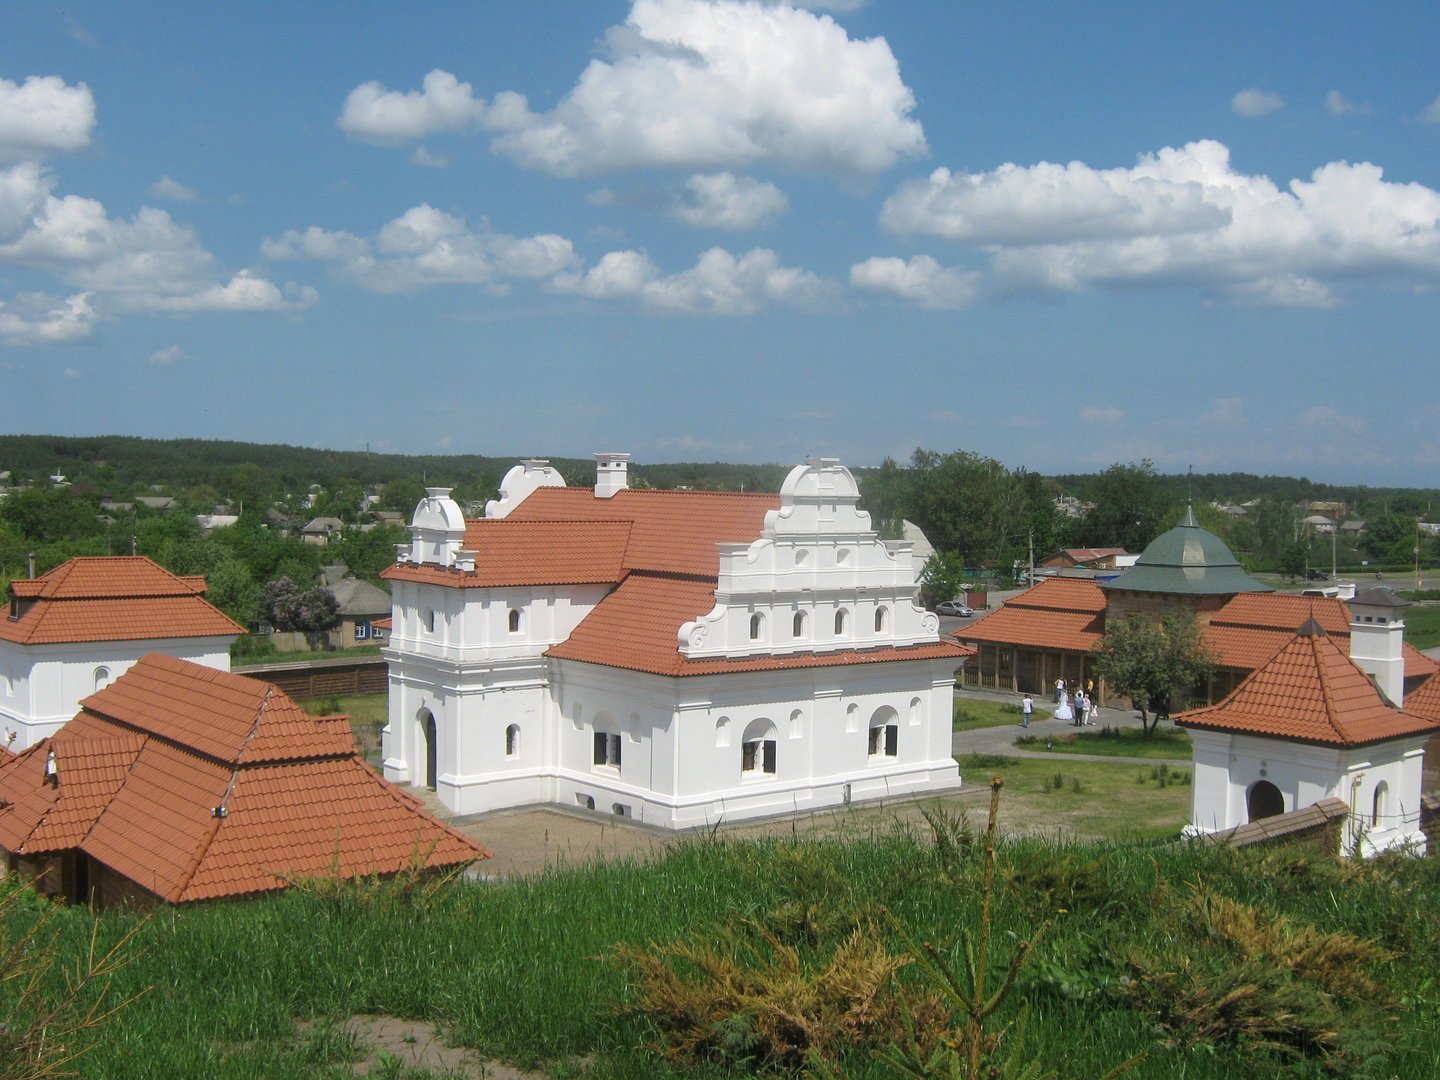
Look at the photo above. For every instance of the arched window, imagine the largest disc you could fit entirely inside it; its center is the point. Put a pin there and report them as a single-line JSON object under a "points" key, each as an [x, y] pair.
{"points": [[514, 620], [102, 678], [881, 614], [840, 622], [1379, 809], [512, 740], [797, 625], [852, 719], [884, 733], [722, 731], [757, 749], [757, 623], [797, 724], [1265, 801], [916, 712]]}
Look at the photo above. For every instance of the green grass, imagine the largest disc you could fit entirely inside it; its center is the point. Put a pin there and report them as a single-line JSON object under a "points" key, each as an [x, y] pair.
{"points": [[523, 970], [1422, 626], [1112, 799], [972, 714], [1168, 743], [368, 714]]}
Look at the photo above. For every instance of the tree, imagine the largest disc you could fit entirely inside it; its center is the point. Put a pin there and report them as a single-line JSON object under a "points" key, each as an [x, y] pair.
{"points": [[1151, 663], [941, 578], [1130, 505], [312, 613], [1293, 558]]}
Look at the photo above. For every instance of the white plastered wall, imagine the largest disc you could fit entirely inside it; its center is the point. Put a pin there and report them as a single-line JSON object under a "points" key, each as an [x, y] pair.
{"points": [[1228, 765], [41, 686]]}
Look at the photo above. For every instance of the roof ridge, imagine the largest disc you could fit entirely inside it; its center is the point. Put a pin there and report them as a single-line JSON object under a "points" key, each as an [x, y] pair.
{"points": [[111, 801], [1322, 676]]}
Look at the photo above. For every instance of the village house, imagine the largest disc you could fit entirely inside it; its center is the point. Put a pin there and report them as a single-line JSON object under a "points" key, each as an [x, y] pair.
{"points": [[1048, 632], [1320, 721], [73, 631], [178, 783], [678, 657]]}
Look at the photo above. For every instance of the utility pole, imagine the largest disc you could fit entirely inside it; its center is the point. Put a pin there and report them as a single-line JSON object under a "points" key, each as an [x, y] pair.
{"points": [[1030, 576]]}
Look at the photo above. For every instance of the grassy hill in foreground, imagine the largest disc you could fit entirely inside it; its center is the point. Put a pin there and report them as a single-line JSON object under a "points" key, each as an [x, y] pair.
{"points": [[1213, 963]]}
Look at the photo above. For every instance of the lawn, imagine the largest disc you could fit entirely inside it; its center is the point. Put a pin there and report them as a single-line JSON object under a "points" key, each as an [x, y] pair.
{"points": [[1167, 743], [1211, 963], [368, 714], [972, 714], [1092, 799], [1422, 626]]}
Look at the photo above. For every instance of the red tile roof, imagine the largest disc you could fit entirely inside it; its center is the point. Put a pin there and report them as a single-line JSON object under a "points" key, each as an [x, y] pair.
{"points": [[111, 598], [143, 768], [1068, 614], [532, 553], [1424, 700], [673, 531], [1058, 613], [1310, 691], [635, 628]]}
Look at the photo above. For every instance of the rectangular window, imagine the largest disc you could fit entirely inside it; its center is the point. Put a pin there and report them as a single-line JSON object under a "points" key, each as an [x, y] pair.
{"points": [[362, 631], [758, 756], [607, 749], [885, 740]]}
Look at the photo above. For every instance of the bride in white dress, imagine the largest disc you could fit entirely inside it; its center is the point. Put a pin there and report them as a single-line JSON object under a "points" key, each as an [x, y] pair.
{"points": [[1063, 711]]}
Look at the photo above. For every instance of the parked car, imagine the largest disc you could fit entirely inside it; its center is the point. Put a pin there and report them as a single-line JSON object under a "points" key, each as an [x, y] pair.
{"points": [[1314, 574], [954, 607]]}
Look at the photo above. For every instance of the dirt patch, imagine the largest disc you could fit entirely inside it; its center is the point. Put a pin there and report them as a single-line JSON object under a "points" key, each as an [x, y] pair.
{"points": [[396, 1047]]}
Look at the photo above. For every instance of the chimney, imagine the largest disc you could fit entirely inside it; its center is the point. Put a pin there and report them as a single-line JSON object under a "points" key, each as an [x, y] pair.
{"points": [[612, 474], [1377, 639]]}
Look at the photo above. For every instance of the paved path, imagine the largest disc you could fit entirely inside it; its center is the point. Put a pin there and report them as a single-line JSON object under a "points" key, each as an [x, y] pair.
{"points": [[1001, 740]]}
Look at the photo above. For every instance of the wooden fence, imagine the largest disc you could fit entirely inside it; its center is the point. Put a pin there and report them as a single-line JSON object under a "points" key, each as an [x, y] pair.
{"points": [[323, 678]]}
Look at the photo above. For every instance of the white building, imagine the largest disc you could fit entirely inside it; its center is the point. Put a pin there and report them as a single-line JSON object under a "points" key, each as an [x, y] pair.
{"points": [[673, 656], [66, 634], [1315, 723]]}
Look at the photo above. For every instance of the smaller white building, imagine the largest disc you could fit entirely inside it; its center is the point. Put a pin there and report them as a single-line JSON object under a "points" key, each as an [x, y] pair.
{"points": [[1314, 723], [66, 634]]}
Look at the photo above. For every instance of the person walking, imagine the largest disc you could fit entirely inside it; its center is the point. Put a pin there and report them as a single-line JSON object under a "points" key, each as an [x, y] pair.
{"points": [[1027, 709], [1082, 708]]}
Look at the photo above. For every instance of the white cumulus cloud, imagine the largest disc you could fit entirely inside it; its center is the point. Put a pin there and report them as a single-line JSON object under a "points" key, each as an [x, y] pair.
{"points": [[168, 188], [425, 246], [701, 84], [444, 103], [1255, 102], [920, 280], [726, 201], [719, 283], [171, 354], [44, 115], [148, 262], [1431, 113], [1337, 104], [37, 319], [1182, 216], [1106, 415]]}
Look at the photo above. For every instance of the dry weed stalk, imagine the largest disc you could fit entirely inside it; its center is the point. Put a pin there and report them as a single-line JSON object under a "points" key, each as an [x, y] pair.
{"points": [[46, 1025]]}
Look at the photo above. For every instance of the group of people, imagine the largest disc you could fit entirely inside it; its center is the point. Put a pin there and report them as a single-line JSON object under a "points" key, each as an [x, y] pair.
{"points": [[1078, 710]]}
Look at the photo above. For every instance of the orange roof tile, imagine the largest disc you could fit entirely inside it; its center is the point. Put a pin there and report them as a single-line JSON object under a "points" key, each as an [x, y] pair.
{"points": [[531, 553], [141, 772], [111, 598], [673, 531], [1310, 691], [635, 627], [1058, 613], [1424, 700]]}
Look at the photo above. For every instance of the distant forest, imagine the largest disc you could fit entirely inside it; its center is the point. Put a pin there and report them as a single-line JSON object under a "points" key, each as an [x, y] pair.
{"points": [[981, 515]]}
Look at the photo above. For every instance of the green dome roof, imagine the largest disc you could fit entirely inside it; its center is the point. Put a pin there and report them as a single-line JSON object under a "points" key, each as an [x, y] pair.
{"points": [[1190, 560]]}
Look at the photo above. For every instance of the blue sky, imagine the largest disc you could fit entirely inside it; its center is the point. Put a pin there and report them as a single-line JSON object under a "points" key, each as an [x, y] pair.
{"points": [[1061, 235]]}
